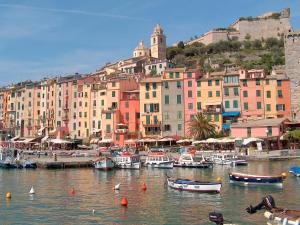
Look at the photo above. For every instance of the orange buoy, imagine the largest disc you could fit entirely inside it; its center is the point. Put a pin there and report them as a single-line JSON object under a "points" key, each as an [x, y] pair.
{"points": [[8, 195], [72, 191], [124, 201], [144, 187]]}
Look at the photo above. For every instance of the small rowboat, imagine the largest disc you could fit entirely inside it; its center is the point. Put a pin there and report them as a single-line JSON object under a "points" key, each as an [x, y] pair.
{"points": [[249, 179], [279, 219], [295, 170], [194, 186]]}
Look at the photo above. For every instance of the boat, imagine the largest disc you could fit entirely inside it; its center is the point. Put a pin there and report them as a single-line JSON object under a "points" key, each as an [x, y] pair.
{"points": [[158, 160], [188, 160], [228, 159], [104, 163], [218, 219], [275, 215], [8, 163], [194, 186], [127, 161], [249, 179], [295, 170], [29, 164]]}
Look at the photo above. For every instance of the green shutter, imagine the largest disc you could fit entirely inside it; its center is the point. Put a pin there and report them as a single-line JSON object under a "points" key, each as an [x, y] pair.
{"points": [[235, 104], [227, 104]]}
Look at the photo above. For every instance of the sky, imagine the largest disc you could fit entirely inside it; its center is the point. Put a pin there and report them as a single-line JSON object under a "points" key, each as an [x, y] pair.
{"points": [[59, 37]]}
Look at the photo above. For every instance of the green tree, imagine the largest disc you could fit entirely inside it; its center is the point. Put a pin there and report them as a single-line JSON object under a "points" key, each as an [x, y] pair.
{"points": [[180, 45], [201, 128]]}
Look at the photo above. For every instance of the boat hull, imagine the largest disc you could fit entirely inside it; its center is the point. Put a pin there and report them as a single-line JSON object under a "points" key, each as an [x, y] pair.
{"points": [[134, 166], [295, 170], [105, 164], [193, 165], [194, 186], [245, 179], [274, 219], [160, 165]]}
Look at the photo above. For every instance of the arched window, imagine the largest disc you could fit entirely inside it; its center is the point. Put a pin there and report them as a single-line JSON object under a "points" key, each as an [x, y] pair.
{"points": [[154, 40]]}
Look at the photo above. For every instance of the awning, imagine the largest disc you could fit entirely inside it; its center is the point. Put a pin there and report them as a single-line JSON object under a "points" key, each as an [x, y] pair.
{"points": [[131, 141], [15, 138], [60, 141], [94, 141], [213, 103], [106, 141], [184, 141], [249, 140], [234, 113], [96, 130], [26, 140], [44, 139], [166, 139], [226, 126]]}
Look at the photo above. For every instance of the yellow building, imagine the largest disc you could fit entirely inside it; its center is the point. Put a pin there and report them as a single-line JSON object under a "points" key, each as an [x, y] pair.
{"points": [[209, 99], [150, 107], [270, 93]]}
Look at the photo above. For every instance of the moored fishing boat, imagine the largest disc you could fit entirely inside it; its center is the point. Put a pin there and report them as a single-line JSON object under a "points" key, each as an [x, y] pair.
{"points": [[104, 163], [275, 215], [127, 161], [29, 164], [228, 159], [295, 170], [158, 160], [195, 186], [249, 179], [188, 160]]}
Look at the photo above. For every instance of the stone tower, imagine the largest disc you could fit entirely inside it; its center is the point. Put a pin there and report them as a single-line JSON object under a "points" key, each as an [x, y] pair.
{"points": [[292, 67], [158, 43]]}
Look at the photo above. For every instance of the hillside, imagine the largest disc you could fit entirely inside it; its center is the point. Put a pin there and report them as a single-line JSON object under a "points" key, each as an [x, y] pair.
{"points": [[248, 54]]}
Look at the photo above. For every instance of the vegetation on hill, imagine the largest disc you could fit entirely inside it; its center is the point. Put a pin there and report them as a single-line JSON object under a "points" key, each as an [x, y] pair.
{"points": [[248, 54]]}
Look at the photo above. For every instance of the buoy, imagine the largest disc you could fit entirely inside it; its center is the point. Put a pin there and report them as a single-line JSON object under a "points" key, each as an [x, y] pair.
{"points": [[32, 192], [144, 187], [93, 211], [72, 191], [219, 179], [8, 195], [124, 201], [284, 175], [117, 187]]}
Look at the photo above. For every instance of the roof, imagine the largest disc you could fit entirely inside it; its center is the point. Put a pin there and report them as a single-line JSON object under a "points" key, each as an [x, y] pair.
{"points": [[260, 123]]}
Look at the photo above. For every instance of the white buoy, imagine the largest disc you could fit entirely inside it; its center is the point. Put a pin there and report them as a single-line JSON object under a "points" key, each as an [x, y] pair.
{"points": [[93, 211], [117, 187], [32, 192]]}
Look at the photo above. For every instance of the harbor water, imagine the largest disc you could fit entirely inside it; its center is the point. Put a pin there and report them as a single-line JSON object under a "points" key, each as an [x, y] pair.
{"points": [[94, 201]]}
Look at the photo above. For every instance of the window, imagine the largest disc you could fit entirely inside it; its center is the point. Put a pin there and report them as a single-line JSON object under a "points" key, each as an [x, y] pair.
{"points": [[235, 104], [216, 117], [108, 116], [190, 94], [217, 93], [189, 75], [179, 126], [268, 106], [113, 94], [147, 96], [269, 131], [267, 82], [245, 83], [227, 104], [209, 82], [179, 115], [190, 83], [217, 82], [198, 93], [108, 128], [154, 94], [74, 126], [198, 105], [167, 99], [268, 94], [126, 104], [198, 83], [245, 94], [236, 91], [166, 116], [258, 105], [280, 107], [178, 99], [246, 106], [258, 93], [147, 119], [177, 74], [248, 131], [279, 93], [190, 106], [154, 86], [171, 75], [178, 84], [147, 86], [102, 102], [166, 85], [127, 116], [257, 82], [279, 83], [226, 91], [167, 127], [210, 94], [113, 84]]}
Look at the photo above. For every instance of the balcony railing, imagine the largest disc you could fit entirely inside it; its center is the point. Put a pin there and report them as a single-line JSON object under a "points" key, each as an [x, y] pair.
{"points": [[152, 124], [121, 131]]}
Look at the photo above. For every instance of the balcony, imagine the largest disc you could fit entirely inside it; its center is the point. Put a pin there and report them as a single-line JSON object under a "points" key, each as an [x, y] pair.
{"points": [[152, 124], [121, 128], [213, 109], [121, 131], [152, 131]]}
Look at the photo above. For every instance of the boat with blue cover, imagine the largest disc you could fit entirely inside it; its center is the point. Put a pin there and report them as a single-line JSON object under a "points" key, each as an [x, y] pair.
{"points": [[194, 186], [250, 179], [295, 170]]}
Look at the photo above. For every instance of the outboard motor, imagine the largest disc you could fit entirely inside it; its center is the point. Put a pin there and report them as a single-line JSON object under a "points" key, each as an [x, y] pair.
{"points": [[267, 203], [216, 218]]}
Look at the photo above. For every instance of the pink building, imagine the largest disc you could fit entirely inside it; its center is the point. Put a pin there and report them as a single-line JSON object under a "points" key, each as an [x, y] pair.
{"points": [[129, 120], [190, 97]]}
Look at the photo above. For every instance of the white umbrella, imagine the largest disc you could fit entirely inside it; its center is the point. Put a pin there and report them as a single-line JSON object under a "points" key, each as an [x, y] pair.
{"points": [[60, 141], [212, 140], [252, 139]]}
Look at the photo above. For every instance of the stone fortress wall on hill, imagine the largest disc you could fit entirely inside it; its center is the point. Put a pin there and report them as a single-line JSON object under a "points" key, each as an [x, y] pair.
{"points": [[270, 24]]}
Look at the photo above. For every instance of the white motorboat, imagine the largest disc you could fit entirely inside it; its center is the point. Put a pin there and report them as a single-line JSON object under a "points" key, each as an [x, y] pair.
{"points": [[227, 159], [188, 160], [127, 161], [104, 163], [159, 160]]}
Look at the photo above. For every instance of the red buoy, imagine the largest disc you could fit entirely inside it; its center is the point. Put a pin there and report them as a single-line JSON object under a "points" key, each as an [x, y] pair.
{"points": [[124, 201], [72, 191], [144, 187]]}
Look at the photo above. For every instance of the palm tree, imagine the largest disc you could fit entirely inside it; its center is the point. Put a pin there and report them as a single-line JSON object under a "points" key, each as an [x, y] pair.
{"points": [[201, 127]]}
